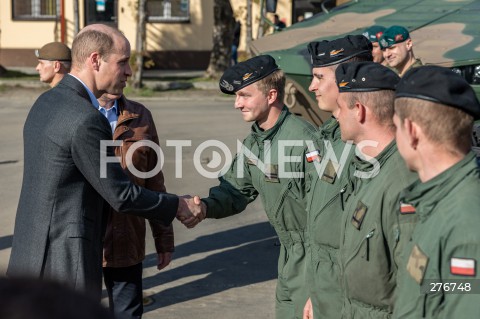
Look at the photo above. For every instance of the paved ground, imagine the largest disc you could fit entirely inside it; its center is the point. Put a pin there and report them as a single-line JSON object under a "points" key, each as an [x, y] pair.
{"points": [[221, 269]]}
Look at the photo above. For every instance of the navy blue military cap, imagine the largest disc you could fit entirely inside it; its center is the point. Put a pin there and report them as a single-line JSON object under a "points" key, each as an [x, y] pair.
{"points": [[245, 73], [325, 53], [365, 77], [440, 85]]}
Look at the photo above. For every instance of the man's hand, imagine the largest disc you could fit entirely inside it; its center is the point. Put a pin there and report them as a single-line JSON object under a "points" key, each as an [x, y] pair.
{"points": [[164, 260], [308, 310], [191, 211]]}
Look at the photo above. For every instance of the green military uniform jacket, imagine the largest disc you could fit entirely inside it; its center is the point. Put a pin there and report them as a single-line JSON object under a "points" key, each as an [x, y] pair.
{"points": [[283, 199], [415, 64], [371, 235], [325, 207], [445, 246]]}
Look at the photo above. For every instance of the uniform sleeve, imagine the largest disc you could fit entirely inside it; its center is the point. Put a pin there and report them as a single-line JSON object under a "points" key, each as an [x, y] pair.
{"points": [[460, 264], [233, 194]]}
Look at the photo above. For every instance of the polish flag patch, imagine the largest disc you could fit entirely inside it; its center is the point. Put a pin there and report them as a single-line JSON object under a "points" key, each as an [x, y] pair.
{"points": [[462, 266], [406, 208], [313, 156]]}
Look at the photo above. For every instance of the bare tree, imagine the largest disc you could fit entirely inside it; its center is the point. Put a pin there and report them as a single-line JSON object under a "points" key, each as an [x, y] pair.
{"points": [[222, 39], [139, 44]]}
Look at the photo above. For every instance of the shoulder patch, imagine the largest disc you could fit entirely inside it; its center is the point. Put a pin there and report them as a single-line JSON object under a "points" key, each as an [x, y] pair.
{"points": [[462, 266]]}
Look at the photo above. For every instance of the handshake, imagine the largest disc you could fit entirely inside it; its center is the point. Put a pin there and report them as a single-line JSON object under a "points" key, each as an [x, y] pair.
{"points": [[191, 210]]}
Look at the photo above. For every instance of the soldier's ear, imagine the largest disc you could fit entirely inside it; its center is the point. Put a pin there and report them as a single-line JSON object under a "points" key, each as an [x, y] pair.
{"points": [[361, 111], [409, 44], [272, 96], [414, 132], [56, 66]]}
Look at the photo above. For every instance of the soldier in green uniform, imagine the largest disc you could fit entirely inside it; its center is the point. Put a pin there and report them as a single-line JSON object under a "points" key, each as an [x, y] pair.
{"points": [[397, 47], [272, 165], [324, 198], [371, 232], [434, 113]]}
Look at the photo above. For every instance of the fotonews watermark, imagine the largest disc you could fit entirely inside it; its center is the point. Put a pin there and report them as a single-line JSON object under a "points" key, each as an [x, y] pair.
{"points": [[276, 161]]}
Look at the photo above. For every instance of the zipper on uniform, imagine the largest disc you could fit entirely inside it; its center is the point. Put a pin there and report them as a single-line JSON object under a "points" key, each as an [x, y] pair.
{"points": [[342, 191], [367, 238]]}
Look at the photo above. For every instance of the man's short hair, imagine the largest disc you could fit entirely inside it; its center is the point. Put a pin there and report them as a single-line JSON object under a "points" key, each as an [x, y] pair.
{"points": [[442, 124], [95, 38], [275, 81], [379, 102]]}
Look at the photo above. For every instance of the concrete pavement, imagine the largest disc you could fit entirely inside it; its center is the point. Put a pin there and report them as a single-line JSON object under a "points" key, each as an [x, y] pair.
{"points": [[222, 268]]}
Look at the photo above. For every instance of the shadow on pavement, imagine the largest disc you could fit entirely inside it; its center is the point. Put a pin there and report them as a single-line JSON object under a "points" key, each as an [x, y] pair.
{"points": [[253, 262], [6, 242]]}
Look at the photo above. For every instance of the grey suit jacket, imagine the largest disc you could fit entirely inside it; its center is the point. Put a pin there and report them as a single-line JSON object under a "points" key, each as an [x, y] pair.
{"points": [[58, 226]]}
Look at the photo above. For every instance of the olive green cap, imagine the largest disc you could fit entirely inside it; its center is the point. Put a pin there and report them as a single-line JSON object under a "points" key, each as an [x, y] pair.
{"points": [[54, 51]]}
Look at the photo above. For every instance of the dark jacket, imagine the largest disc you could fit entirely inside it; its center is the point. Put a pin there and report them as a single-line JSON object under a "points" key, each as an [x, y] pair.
{"points": [[57, 231], [124, 243]]}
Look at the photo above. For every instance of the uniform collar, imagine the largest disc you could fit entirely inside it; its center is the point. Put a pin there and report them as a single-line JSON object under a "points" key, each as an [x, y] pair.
{"points": [[425, 196], [261, 135], [330, 129]]}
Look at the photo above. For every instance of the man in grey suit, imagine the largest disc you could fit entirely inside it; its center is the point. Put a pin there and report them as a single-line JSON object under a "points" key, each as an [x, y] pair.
{"points": [[58, 226]]}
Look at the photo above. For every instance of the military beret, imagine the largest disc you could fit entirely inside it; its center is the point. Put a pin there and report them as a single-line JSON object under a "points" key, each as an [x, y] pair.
{"points": [[365, 77], [245, 73], [441, 85], [54, 51], [374, 32], [393, 35], [327, 53]]}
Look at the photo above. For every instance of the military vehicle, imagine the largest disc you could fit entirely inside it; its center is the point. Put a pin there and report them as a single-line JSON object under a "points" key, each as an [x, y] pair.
{"points": [[444, 32]]}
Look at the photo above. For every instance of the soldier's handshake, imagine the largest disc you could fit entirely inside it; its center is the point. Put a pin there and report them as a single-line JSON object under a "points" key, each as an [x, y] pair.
{"points": [[191, 210]]}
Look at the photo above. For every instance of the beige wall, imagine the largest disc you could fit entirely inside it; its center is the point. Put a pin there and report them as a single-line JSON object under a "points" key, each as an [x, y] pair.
{"points": [[284, 10], [18, 39]]}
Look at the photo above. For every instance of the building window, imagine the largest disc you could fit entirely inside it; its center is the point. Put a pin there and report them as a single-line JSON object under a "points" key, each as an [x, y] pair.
{"points": [[168, 10], [34, 9]]}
